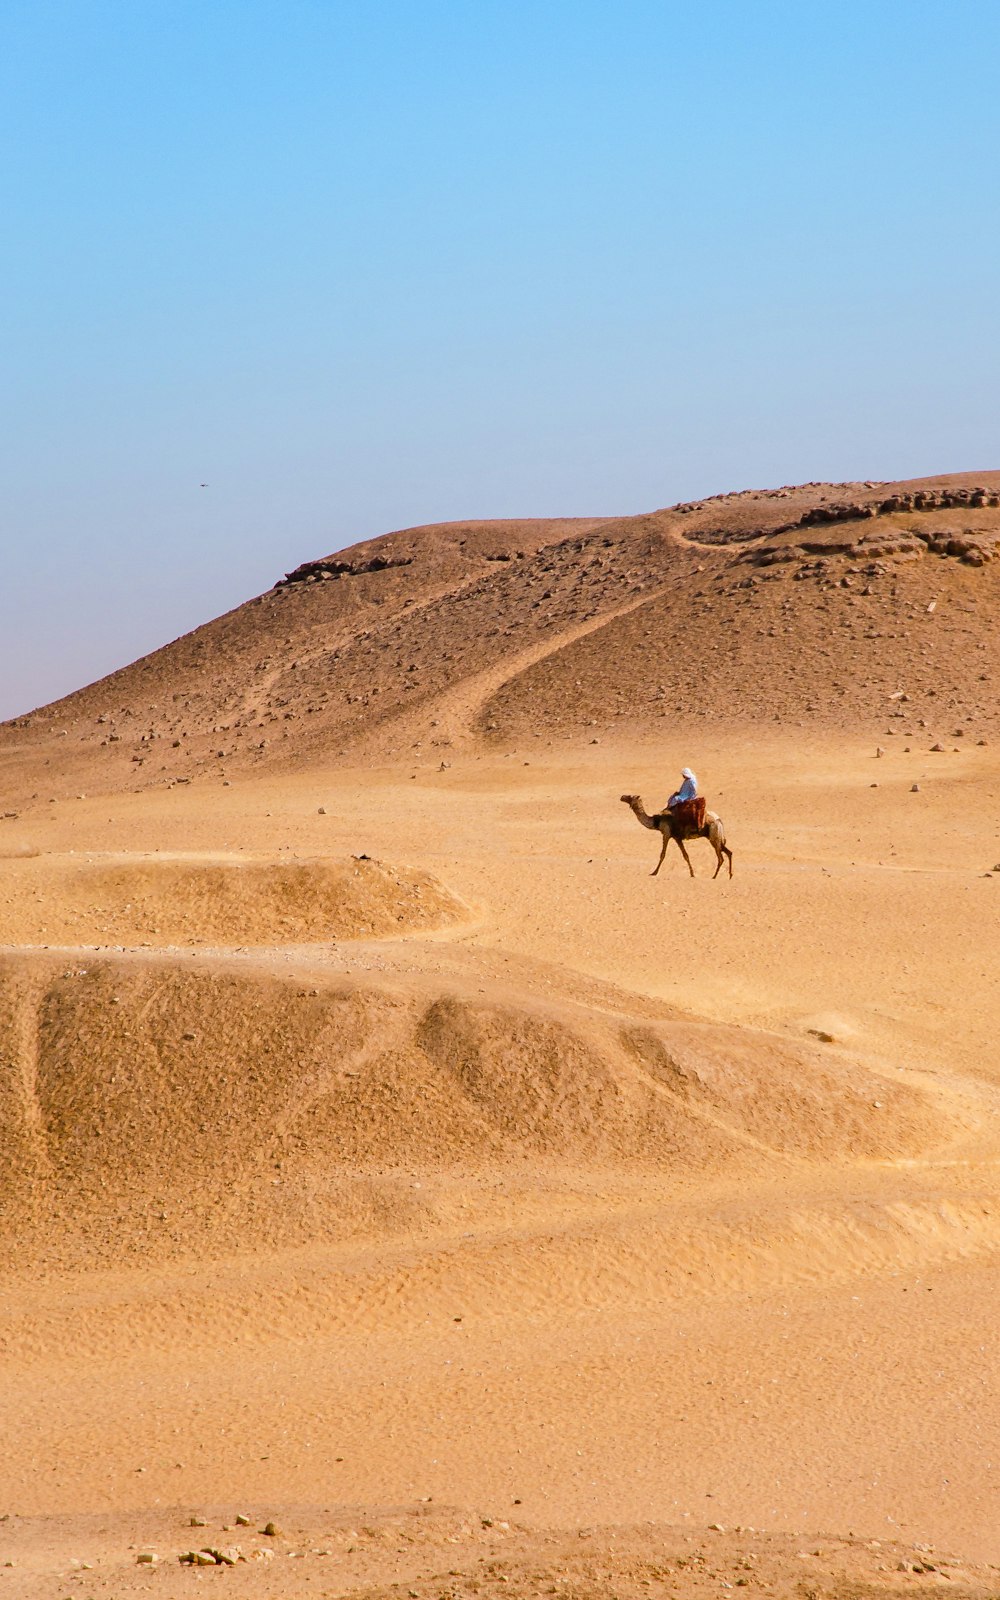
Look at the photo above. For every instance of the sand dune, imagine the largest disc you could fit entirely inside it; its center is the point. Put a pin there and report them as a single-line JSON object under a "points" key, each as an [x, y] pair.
{"points": [[151, 1107], [385, 1153], [222, 902]]}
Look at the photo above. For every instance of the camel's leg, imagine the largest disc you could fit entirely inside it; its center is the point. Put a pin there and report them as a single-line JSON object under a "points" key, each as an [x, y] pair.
{"points": [[663, 851], [687, 858], [720, 852]]}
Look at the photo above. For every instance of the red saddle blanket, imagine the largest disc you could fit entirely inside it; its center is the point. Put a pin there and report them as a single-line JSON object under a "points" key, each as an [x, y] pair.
{"points": [[690, 813]]}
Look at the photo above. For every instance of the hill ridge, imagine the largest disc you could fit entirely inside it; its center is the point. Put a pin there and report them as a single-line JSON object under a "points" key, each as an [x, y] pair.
{"points": [[568, 627]]}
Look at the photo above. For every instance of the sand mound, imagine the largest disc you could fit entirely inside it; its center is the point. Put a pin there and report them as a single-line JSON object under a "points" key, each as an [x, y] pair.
{"points": [[150, 1107], [374, 1552], [170, 902], [777, 1094]]}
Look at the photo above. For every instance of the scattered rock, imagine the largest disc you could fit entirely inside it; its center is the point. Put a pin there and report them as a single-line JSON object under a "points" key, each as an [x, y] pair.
{"points": [[914, 788], [270, 1531], [937, 749], [242, 1521], [321, 811], [147, 1558]]}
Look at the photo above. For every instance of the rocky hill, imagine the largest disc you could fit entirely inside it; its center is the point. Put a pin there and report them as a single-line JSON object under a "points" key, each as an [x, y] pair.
{"points": [[866, 607]]}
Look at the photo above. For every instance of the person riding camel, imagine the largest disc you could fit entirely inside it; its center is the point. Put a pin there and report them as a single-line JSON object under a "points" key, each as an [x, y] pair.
{"points": [[687, 805]]}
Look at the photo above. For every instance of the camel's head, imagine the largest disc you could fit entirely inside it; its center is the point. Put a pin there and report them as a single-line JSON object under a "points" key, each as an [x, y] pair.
{"points": [[629, 799]]}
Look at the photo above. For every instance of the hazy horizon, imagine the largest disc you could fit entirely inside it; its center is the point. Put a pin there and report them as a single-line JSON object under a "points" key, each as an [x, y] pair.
{"points": [[358, 268]]}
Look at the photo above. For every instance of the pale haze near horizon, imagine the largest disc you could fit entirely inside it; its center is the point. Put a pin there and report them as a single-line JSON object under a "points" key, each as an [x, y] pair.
{"points": [[357, 267]]}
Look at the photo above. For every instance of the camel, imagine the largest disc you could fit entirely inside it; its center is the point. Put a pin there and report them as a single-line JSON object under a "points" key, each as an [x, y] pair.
{"points": [[669, 828]]}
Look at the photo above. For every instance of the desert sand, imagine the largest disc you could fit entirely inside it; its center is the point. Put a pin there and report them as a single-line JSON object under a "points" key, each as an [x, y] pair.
{"points": [[388, 1160]]}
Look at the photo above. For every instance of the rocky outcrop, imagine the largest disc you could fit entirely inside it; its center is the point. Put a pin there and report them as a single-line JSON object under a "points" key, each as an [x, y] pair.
{"points": [[322, 571], [973, 548], [918, 500]]}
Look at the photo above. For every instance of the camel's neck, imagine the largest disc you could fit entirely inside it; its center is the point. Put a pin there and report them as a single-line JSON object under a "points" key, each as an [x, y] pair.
{"points": [[640, 812]]}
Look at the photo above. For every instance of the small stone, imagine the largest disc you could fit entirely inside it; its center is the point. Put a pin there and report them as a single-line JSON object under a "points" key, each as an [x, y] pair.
{"points": [[146, 1558], [242, 1521], [914, 788], [321, 812], [879, 751], [197, 1522], [937, 749], [270, 1531]]}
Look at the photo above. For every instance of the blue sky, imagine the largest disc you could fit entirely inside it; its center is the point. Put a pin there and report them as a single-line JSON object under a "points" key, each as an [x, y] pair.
{"points": [[367, 264]]}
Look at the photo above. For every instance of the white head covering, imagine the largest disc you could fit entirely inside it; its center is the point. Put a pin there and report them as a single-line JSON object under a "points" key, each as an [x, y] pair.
{"points": [[686, 772]]}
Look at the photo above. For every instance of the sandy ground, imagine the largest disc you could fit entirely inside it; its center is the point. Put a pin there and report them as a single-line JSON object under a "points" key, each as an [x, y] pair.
{"points": [[735, 1265]]}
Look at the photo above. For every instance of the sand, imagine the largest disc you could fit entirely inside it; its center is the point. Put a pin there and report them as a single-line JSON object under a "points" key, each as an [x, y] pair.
{"points": [[388, 1157]]}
